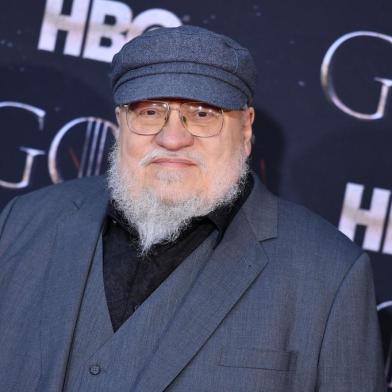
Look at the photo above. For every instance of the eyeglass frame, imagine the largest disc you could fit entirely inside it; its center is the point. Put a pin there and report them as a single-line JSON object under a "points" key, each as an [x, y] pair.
{"points": [[169, 110]]}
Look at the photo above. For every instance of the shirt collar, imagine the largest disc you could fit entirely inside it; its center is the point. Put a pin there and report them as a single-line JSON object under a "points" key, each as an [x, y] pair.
{"points": [[222, 216]]}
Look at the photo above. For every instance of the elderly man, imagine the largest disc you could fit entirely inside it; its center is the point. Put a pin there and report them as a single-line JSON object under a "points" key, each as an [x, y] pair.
{"points": [[180, 271]]}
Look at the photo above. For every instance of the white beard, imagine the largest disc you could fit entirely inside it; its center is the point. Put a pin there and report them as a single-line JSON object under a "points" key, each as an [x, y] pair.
{"points": [[157, 220]]}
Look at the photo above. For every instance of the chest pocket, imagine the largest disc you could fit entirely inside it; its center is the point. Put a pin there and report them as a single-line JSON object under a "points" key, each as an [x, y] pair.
{"points": [[258, 359]]}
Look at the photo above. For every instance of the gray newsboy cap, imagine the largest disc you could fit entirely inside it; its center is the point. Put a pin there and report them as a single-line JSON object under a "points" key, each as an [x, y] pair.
{"points": [[184, 62]]}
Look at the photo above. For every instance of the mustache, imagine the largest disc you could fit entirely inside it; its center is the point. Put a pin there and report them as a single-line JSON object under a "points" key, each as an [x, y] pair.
{"points": [[159, 154]]}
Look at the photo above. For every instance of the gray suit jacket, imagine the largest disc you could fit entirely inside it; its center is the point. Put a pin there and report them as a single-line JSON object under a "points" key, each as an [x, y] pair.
{"points": [[285, 303]]}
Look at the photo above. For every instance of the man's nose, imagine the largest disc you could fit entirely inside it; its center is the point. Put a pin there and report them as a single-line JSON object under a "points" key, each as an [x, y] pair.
{"points": [[174, 135]]}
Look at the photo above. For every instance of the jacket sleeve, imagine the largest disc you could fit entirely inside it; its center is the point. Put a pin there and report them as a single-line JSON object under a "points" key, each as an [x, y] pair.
{"points": [[351, 356]]}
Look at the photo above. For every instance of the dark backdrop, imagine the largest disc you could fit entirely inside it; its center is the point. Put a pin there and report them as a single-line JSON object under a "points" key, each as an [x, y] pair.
{"points": [[324, 116]]}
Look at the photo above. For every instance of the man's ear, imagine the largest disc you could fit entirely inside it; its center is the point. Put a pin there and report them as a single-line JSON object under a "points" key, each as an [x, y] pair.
{"points": [[117, 111], [247, 129], [118, 114]]}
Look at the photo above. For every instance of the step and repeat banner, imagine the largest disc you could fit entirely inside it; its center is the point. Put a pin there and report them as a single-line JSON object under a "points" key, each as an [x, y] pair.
{"points": [[323, 103]]}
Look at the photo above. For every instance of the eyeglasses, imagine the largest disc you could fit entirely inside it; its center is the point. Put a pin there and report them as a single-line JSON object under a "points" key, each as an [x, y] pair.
{"points": [[149, 117]]}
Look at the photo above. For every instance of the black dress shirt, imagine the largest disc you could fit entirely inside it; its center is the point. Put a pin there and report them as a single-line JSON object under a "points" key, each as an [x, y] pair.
{"points": [[130, 278]]}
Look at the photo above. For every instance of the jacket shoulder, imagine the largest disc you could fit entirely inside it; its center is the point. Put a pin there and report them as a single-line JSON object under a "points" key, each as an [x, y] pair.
{"points": [[45, 203], [300, 234], [65, 191], [313, 239]]}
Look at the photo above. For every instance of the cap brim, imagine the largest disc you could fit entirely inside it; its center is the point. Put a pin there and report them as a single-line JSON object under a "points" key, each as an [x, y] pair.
{"points": [[180, 85]]}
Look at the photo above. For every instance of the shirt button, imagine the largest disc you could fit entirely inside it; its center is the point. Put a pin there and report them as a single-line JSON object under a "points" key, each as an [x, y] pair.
{"points": [[94, 369]]}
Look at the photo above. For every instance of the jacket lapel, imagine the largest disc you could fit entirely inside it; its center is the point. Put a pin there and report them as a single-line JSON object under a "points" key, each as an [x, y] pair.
{"points": [[76, 239], [234, 265]]}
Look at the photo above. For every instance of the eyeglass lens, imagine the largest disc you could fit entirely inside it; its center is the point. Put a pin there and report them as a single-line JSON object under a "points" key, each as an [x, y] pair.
{"points": [[149, 117]]}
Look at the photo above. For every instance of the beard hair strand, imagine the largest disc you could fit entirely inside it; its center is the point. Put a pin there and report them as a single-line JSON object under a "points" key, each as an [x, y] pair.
{"points": [[157, 220]]}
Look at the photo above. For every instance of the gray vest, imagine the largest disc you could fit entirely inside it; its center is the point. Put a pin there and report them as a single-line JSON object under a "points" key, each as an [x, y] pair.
{"points": [[101, 360]]}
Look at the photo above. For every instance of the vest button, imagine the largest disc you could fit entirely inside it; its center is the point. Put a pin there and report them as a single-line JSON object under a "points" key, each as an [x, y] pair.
{"points": [[94, 369]]}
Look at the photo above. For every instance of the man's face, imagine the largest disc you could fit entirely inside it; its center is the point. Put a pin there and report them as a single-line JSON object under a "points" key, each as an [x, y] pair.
{"points": [[176, 165]]}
